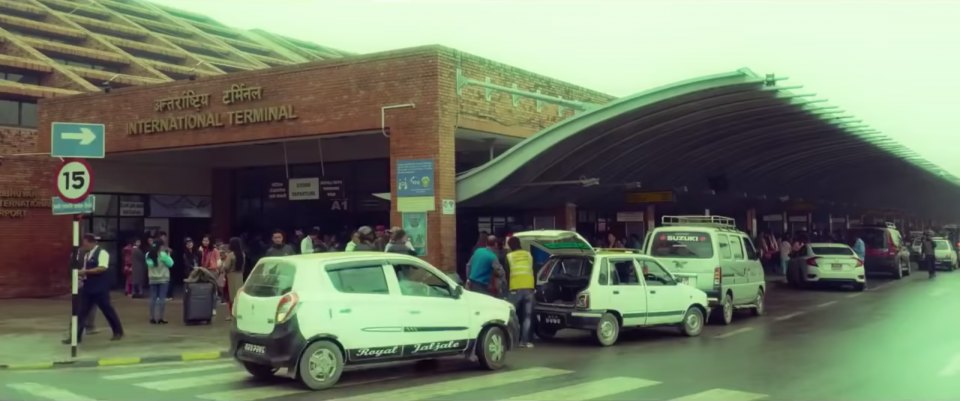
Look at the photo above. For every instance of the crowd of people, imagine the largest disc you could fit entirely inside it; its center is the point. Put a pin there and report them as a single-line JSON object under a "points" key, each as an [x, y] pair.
{"points": [[153, 269]]}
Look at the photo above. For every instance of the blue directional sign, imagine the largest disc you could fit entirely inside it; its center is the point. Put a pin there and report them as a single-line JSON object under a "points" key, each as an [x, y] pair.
{"points": [[61, 208], [77, 140], [415, 177]]}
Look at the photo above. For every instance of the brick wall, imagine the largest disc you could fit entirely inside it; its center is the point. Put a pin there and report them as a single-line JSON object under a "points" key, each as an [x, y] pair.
{"points": [[499, 115], [36, 247], [329, 97]]}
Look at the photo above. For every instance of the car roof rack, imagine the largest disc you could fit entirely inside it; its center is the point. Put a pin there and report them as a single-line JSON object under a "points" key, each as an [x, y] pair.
{"points": [[708, 221]]}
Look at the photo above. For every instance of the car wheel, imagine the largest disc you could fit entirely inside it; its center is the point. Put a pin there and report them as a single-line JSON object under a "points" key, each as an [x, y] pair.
{"points": [[758, 306], [545, 333], [899, 274], [859, 287], [492, 352], [259, 371], [692, 324], [608, 330], [320, 365], [724, 313]]}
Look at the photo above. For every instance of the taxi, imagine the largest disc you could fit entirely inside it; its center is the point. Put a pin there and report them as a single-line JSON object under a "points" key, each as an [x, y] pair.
{"points": [[315, 314], [604, 291]]}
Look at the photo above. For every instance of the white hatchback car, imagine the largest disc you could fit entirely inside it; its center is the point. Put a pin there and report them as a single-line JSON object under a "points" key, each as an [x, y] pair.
{"points": [[827, 263], [605, 291], [314, 314]]}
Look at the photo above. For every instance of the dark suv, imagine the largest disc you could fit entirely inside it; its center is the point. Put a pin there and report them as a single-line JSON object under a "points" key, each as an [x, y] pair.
{"points": [[886, 252]]}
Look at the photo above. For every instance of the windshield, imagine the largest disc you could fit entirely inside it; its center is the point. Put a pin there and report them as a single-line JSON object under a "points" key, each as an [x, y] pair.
{"points": [[832, 251], [270, 279], [682, 244], [871, 238], [941, 245]]}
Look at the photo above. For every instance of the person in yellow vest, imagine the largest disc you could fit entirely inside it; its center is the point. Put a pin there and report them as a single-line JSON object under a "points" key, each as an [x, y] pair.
{"points": [[520, 266]]}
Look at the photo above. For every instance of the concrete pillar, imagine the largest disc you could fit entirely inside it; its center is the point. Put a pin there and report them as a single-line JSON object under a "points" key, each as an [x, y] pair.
{"points": [[570, 217], [706, 212], [650, 216], [752, 222], [786, 223]]}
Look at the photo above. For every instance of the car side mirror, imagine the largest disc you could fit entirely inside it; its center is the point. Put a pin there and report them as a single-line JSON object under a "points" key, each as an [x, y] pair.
{"points": [[457, 291]]}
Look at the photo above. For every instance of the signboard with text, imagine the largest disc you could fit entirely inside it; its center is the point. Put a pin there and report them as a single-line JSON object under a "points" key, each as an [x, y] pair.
{"points": [[63, 208], [650, 197], [304, 188], [74, 181], [415, 178]]}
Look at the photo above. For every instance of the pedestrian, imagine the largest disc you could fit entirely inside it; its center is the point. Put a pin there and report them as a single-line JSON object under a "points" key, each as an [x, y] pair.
{"points": [[278, 247], [127, 253], [367, 238], [786, 248], [138, 269], [308, 243], [399, 243], [859, 247], [298, 236], [211, 261], [520, 266], [233, 267], [928, 254], [613, 241], [485, 268], [158, 263], [383, 237], [96, 287]]}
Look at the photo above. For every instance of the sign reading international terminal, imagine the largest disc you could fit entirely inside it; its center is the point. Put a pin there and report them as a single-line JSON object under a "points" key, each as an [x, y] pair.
{"points": [[194, 103]]}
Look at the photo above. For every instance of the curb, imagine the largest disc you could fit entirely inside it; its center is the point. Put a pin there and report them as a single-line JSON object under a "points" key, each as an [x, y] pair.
{"points": [[122, 361]]}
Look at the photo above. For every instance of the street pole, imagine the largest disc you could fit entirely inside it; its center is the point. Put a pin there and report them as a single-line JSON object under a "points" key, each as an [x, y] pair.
{"points": [[75, 287]]}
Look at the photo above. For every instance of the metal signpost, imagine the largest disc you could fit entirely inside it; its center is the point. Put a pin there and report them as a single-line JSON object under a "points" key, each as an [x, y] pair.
{"points": [[73, 183]]}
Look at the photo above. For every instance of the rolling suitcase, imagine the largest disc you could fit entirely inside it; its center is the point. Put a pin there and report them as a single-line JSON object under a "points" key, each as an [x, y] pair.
{"points": [[198, 303]]}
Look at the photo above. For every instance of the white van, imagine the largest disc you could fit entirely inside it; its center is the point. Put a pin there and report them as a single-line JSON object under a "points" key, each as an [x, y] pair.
{"points": [[710, 253], [606, 290]]}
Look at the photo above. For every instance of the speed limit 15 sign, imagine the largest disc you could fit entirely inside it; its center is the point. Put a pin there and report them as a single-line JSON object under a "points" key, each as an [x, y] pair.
{"points": [[74, 181]]}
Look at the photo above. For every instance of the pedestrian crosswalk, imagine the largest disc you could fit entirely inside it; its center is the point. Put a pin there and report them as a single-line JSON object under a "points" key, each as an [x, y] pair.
{"points": [[225, 381]]}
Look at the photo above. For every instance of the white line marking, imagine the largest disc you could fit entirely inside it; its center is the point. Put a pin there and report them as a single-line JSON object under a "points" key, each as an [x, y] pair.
{"points": [[719, 394], [735, 332], [826, 304], [939, 292], [48, 392], [790, 316], [952, 367], [881, 286], [450, 387], [253, 393], [196, 381], [854, 295], [173, 371], [589, 390]]}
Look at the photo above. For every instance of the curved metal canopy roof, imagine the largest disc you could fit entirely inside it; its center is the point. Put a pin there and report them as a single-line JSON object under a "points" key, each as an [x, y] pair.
{"points": [[763, 138]]}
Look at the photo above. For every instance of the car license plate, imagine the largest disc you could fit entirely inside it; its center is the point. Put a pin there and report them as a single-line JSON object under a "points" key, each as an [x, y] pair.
{"points": [[837, 266], [553, 320], [254, 348]]}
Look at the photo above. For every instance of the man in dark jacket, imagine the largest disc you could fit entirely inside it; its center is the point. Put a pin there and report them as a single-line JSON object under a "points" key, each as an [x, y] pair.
{"points": [[927, 247]]}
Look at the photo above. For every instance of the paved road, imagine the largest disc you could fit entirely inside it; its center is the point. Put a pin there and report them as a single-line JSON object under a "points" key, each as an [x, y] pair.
{"points": [[897, 341]]}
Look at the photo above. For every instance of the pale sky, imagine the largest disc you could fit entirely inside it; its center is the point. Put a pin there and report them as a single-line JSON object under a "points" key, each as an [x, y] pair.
{"points": [[894, 64]]}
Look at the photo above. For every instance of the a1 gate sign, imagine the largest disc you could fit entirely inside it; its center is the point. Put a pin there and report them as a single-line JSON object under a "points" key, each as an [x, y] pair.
{"points": [[74, 181]]}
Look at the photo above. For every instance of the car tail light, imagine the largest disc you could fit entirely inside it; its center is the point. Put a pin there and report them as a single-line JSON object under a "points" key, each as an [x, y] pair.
{"points": [[583, 300], [812, 261], [717, 277], [859, 263], [287, 307]]}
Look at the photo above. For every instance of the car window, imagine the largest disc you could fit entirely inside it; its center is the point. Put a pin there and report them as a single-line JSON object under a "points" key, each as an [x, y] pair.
{"points": [[682, 244], [832, 251], [942, 244], [419, 282], [752, 253], [623, 272], [569, 267], [359, 279], [872, 238], [604, 273], [654, 274], [724, 242], [270, 279], [737, 247]]}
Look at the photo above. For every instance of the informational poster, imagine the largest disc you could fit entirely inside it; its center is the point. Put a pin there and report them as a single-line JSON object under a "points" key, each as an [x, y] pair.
{"points": [[277, 190], [131, 208], [449, 206], [415, 225], [415, 185]]}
